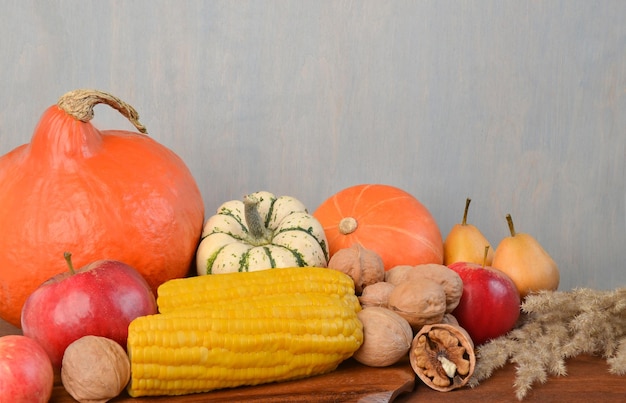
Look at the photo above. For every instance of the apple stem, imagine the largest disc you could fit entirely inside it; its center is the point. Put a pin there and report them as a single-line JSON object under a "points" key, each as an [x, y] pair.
{"points": [[68, 259], [467, 203], [485, 256], [511, 226]]}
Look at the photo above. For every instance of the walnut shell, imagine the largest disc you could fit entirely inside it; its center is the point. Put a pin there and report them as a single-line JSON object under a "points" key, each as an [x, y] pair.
{"points": [[400, 274], [364, 265], [95, 369], [450, 319], [442, 355], [387, 337], [419, 302], [376, 294], [443, 275]]}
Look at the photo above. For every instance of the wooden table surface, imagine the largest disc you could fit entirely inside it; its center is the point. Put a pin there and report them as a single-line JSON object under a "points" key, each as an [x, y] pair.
{"points": [[588, 380]]}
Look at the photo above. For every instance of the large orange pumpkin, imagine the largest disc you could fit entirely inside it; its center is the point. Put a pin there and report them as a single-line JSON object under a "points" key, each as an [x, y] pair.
{"points": [[382, 218], [98, 194]]}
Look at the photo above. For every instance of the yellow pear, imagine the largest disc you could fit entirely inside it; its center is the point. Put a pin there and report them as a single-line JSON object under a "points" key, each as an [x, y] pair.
{"points": [[465, 243], [525, 261]]}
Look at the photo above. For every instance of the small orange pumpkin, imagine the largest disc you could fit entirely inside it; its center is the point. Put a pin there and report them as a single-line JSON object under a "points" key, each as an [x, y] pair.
{"points": [[385, 219], [98, 194]]}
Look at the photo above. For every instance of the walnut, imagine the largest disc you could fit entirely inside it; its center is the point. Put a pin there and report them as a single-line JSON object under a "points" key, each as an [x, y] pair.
{"points": [[364, 265], [442, 355], [95, 369], [386, 337], [399, 274], [450, 320], [443, 275], [376, 294], [419, 302]]}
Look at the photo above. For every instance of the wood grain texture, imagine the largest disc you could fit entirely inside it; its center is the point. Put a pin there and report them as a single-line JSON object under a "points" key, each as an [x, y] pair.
{"points": [[518, 105], [587, 380], [351, 382]]}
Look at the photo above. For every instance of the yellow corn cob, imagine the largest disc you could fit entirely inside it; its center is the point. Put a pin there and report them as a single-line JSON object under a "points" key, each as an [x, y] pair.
{"points": [[271, 337], [231, 287]]}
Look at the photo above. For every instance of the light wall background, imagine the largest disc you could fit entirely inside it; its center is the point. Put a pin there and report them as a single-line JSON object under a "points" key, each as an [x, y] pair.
{"points": [[520, 105]]}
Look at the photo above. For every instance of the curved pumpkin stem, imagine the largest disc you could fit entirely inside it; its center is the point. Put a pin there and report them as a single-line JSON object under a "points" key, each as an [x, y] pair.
{"points": [[80, 104]]}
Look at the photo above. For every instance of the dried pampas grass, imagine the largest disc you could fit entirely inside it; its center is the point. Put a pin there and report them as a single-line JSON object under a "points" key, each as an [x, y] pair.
{"points": [[556, 326]]}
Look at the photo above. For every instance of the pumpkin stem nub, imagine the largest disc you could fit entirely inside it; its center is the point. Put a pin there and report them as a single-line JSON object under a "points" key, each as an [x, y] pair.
{"points": [[347, 225], [80, 104], [260, 234]]}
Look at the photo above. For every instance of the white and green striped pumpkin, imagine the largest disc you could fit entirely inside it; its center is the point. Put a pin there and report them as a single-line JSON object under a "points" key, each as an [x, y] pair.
{"points": [[261, 232]]}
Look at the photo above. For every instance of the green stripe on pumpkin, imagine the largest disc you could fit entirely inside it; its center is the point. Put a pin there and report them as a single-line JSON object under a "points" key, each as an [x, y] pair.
{"points": [[308, 231], [228, 212], [211, 260]]}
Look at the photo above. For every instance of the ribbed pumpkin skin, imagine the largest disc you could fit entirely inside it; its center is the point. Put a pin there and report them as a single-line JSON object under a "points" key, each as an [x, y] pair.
{"points": [[99, 195], [390, 221], [262, 232]]}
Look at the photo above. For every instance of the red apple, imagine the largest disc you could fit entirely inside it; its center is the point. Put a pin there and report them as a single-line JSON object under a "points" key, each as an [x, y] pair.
{"points": [[490, 304], [26, 373], [100, 299]]}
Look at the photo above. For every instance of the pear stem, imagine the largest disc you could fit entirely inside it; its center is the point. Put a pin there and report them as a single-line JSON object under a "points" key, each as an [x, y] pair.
{"points": [[68, 259], [485, 256], [511, 226], [467, 203]]}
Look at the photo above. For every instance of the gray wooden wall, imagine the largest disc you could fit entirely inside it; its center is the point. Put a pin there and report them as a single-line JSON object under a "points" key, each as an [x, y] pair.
{"points": [[520, 105]]}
